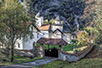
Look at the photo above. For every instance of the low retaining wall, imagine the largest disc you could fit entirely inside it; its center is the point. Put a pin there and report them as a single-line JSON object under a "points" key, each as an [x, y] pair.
{"points": [[74, 57], [38, 51]]}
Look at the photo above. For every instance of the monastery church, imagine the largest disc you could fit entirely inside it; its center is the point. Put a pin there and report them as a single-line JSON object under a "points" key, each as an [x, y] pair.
{"points": [[58, 30]]}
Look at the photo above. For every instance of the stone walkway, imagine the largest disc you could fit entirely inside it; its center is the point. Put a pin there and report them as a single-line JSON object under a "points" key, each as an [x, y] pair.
{"points": [[31, 64]]}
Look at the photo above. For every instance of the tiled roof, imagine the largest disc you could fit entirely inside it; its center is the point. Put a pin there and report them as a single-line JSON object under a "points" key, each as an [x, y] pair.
{"points": [[52, 41], [44, 27]]}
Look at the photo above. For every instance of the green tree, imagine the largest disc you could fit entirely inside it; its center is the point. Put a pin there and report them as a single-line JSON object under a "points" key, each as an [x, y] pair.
{"points": [[46, 21], [13, 23], [52, 21], [98, 25], [30, 9], [83, 39]]}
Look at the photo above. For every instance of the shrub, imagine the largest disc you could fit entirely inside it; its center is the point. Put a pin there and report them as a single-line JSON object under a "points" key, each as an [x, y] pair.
{"points": [[83, 38], [74, 41]]}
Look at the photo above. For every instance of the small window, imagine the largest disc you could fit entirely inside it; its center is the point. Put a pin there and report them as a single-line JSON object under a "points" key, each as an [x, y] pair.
{"points": [[37, 35], [18, 45], [31, 36], [21, 0]]}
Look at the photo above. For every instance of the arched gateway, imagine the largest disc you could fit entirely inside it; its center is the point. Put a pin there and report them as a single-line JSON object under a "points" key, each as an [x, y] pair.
{"points": [[51, 52]]}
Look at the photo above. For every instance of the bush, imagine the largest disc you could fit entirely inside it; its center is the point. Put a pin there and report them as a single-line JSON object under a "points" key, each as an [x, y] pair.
{"points": [[74, 41], [83, 39]]}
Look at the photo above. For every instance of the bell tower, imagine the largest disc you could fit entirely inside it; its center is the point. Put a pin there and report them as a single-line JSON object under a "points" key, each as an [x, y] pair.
{"points": [[39, 19], [58, 20]]}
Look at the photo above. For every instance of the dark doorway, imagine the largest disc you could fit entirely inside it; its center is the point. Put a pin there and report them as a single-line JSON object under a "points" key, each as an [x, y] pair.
{"points": [[51, 52]]}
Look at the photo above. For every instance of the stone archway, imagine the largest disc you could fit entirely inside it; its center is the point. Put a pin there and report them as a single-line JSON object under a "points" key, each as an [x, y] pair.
{"points": [[52, 52]]}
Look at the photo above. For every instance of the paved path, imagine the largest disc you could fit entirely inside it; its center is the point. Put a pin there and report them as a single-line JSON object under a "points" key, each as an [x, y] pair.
{"points": [[31, 64]]}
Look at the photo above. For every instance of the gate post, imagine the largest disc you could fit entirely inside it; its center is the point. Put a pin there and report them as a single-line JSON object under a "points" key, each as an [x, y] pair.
{"points": [[61, 47]]}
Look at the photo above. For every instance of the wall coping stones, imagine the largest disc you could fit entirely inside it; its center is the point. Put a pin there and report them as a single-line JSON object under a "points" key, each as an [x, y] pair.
{"points": [[74, 57], [78, 54]]}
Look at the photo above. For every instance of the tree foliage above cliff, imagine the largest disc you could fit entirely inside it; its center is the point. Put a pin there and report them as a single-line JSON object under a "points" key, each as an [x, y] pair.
{"points": [[65, 8], [85, 9], [98, 24]]}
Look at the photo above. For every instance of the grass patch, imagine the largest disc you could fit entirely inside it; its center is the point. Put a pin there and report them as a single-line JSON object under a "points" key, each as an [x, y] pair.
{"points": [[17, 60], [52, 46], [68, 48], [24, 59], [85, 63], [81, 48]]}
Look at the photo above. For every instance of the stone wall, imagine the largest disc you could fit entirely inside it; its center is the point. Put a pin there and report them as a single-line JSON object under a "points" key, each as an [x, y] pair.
{"points": [[37, 52], [74, 57]]}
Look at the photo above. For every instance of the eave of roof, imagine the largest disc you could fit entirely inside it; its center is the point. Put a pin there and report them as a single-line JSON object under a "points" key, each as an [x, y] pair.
{"points": [[52, 41], [35, 27]]}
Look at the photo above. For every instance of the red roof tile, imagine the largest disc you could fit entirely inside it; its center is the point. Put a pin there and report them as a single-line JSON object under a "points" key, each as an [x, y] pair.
{"points": [[44, 27]]}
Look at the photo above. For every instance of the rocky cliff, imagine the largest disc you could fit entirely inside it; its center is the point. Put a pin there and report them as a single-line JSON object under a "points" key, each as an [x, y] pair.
{"points": [[76, 13]]}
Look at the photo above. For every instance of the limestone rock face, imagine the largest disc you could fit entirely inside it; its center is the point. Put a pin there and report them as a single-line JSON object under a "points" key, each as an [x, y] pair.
{"points": [[68, 10]]}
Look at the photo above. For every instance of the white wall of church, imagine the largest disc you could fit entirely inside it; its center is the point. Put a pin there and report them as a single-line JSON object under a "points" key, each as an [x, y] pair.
{"points": [[54, 27], [56, 35], [29, 43], [19, 44], [44, 34], [58, 22]]}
